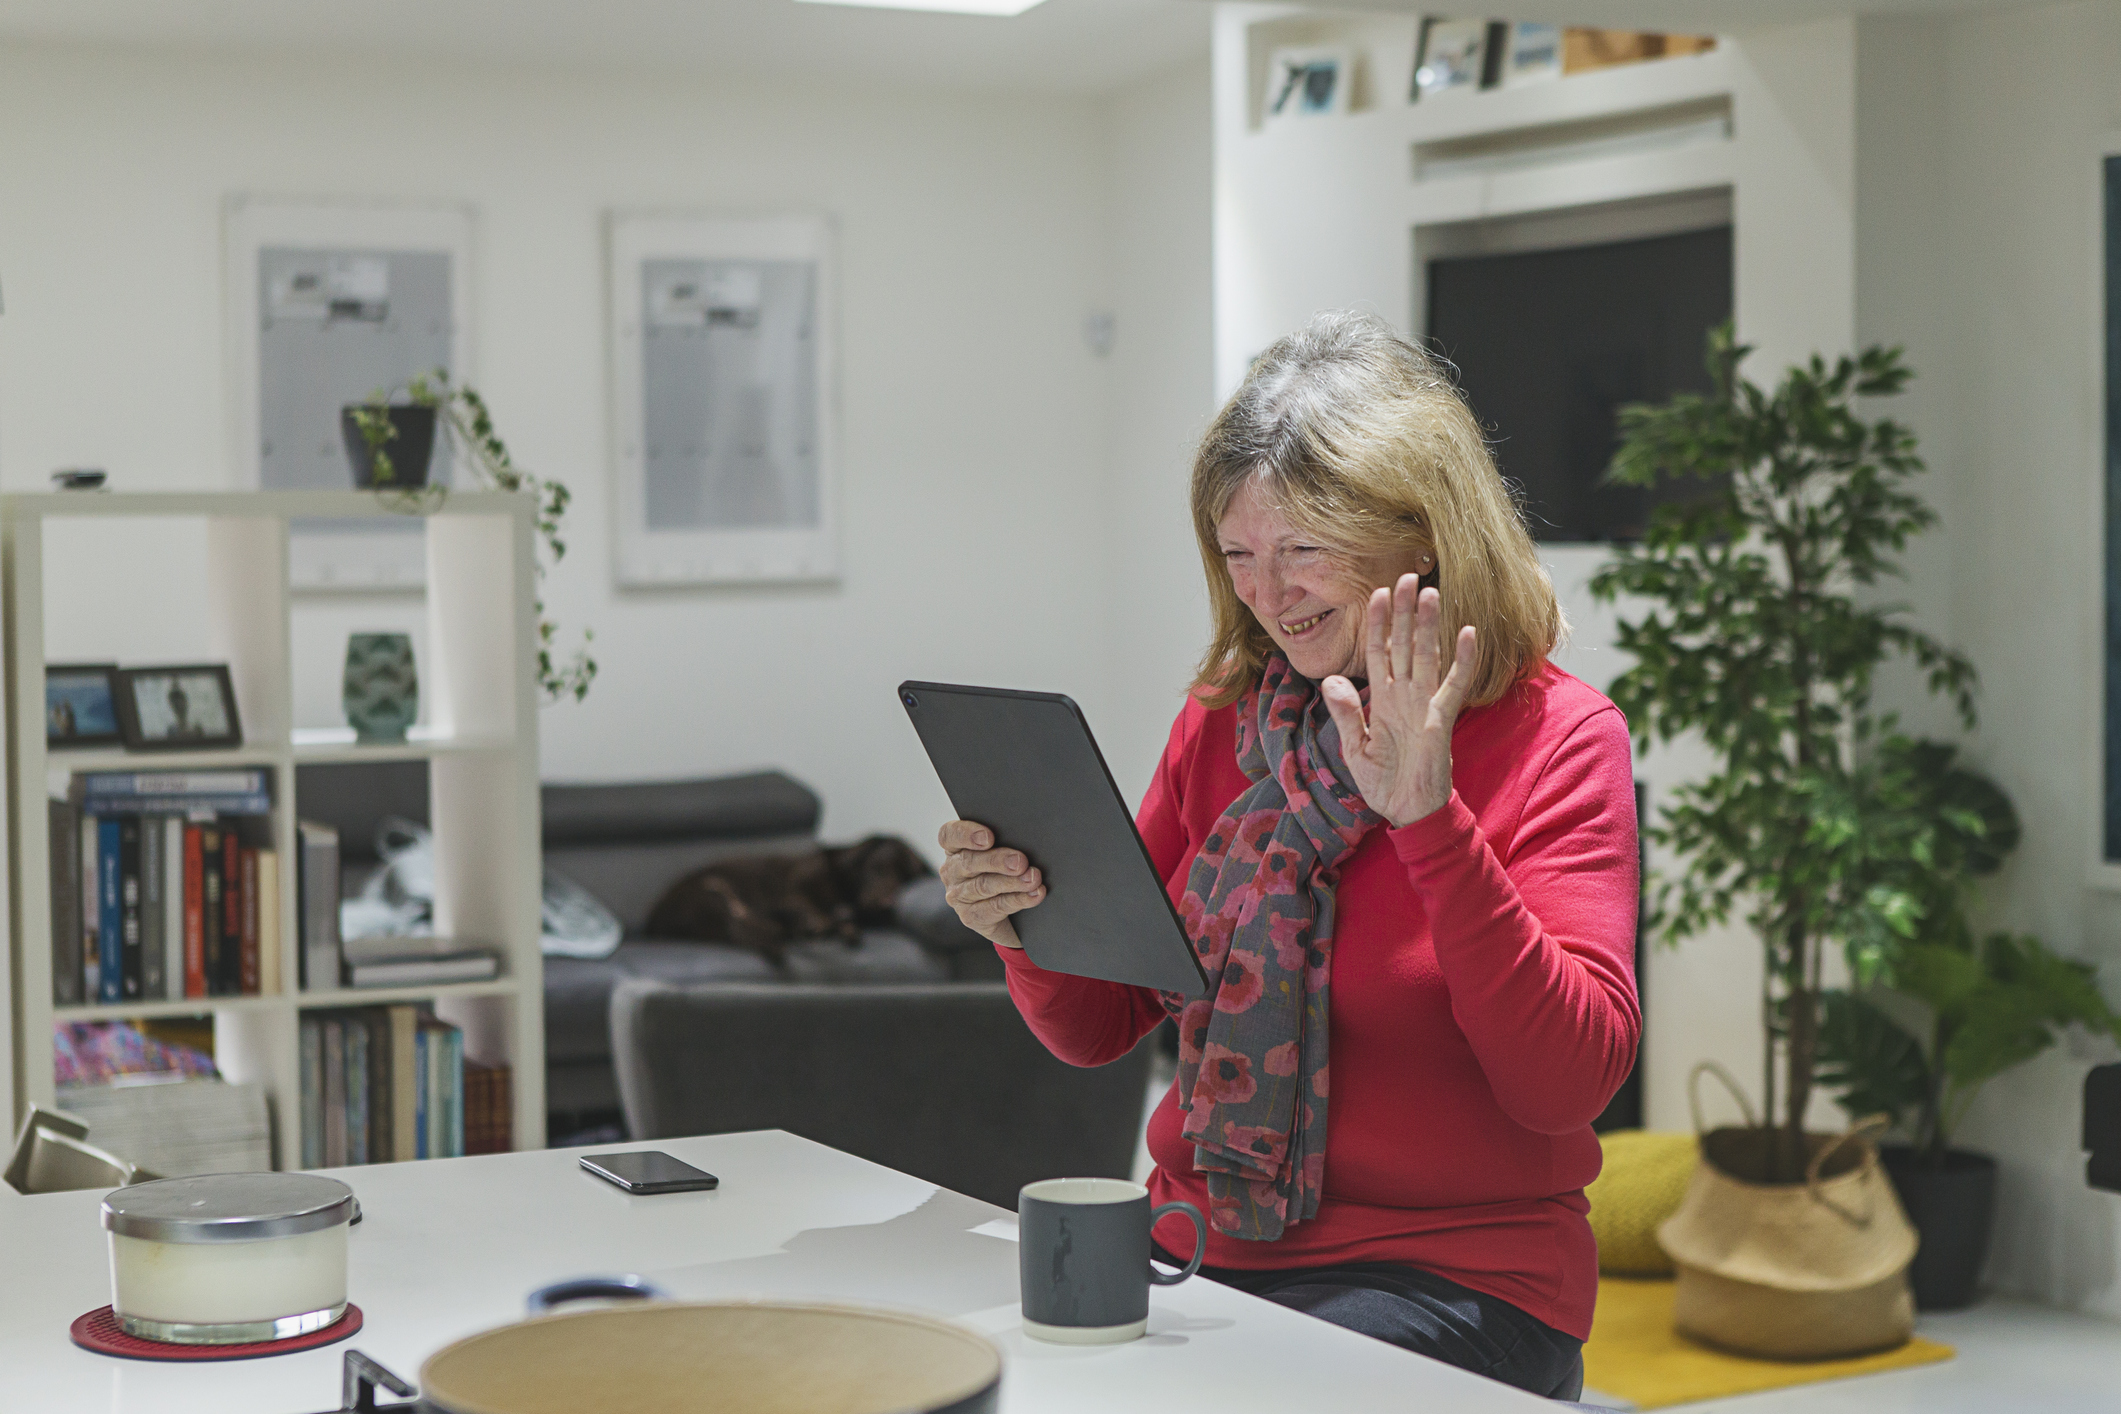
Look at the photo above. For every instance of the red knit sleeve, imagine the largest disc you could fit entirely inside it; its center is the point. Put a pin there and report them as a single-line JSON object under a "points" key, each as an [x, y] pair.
{"points": [[1083, 1020], [1538, 950]]}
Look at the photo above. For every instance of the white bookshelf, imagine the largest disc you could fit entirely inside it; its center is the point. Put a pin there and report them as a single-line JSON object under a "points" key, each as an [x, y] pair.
{"points": [[477, 677]]}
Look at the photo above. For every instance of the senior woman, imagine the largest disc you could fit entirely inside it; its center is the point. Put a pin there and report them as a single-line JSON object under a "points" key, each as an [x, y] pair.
{"points": [[1410, 875]]}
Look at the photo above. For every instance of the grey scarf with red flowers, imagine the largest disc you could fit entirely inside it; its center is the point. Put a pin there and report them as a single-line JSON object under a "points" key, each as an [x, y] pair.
{"points": [[1259, 908]]}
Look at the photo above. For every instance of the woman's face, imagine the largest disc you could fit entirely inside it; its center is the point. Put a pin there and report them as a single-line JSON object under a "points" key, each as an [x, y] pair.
{"points": [[1304, 596]]}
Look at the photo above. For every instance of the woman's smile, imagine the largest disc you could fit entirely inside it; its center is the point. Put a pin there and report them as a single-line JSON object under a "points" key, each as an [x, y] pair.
{"points": [[1309, 599]]}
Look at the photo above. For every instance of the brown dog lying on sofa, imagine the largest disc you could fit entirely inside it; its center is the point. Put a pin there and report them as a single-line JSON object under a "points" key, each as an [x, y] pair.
{"points": [[765, 902]]}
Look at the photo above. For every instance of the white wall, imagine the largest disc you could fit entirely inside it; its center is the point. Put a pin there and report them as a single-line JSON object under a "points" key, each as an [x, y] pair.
{"points": [[982, 436], [1161, 395], [2030, 97]]}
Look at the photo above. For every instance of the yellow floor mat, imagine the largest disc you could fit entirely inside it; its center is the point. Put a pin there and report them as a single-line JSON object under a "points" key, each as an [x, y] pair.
{"points": [[1634, 1353]]}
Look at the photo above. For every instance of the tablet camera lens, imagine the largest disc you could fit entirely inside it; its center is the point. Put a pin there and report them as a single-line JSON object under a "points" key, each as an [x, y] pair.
{"points": [[910, 700]]}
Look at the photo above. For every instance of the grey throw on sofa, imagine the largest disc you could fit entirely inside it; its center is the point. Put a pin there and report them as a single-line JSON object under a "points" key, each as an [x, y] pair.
{"points": [[942, 1081]]}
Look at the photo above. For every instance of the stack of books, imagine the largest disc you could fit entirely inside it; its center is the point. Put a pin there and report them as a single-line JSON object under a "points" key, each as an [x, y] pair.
{"points": [[173, 1126], [164, 885], [332, 956], [380, 1084]]}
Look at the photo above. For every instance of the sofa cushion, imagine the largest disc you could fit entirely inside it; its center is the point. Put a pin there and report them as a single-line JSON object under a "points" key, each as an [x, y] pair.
{"points": [[927, 915], [722, 807], [578, 990], [882, 956]]}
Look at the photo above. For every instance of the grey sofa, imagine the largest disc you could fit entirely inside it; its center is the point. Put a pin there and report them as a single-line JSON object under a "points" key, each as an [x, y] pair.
{"points": [[711, 1038], [628, 843]]}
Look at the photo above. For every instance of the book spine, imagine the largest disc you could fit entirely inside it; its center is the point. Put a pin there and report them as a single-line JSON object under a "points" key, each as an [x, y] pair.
{"points": [[110, 904], [356, 1029], [404, 1076], [211, 840], [268, 893], [247, 978], [151, 957], [165, 785], [91, 897], [180, 805], [453, 1096], [423, 1068], [334, 1093], [129, 903], [231, 914], [194, 912], [173, 904], [312, 1093], [382, 1129], [65, 841], [318, 881]]}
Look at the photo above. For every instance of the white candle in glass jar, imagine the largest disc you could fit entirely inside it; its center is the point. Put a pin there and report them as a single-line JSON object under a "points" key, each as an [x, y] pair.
{"points": [[228, 1257]]}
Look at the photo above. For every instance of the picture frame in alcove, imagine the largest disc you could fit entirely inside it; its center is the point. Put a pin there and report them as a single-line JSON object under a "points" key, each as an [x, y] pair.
{"points": [[325, 302], [725, 408], [1309, 81], [80, 706], [177, 707]]}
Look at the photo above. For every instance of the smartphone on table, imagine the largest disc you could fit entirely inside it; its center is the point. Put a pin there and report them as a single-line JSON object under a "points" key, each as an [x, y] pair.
{"points": [[649, 1171]]}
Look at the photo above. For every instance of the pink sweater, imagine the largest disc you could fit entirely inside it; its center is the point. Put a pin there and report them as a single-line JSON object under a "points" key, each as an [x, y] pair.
{"points": [[1483, 1004]]}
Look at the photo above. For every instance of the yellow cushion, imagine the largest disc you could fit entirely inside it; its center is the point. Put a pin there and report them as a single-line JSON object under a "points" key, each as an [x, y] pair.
{"points": [[1644, 1177]]}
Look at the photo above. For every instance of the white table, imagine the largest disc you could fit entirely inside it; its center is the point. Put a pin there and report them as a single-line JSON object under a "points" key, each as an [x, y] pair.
{"points": [[450, 1246]]}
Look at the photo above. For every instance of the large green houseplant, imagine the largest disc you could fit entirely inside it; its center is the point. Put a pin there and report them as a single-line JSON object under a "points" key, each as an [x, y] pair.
{"points": [[1761, 631], [1939, 1013]]}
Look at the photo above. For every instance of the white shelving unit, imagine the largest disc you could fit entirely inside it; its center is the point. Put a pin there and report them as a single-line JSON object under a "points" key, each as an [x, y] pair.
{"points": [[481, 746]]}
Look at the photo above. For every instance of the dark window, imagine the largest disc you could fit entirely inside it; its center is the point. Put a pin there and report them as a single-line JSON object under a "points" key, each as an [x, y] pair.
{"points": [[1549, 344]]}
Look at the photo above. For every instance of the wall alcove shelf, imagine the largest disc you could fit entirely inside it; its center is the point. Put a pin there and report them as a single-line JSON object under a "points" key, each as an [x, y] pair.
{"points": [[481, 749]]}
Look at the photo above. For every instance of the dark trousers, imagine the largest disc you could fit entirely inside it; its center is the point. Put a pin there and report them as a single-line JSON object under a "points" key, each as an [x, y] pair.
{"points": [[1424, 1313]]}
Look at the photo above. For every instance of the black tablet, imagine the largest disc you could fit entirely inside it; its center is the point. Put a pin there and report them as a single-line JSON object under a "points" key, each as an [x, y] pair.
{"points": [[1025, 765]]}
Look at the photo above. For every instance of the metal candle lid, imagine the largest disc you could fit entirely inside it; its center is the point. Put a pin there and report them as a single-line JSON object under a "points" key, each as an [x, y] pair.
{"points": [[228, 1207]]}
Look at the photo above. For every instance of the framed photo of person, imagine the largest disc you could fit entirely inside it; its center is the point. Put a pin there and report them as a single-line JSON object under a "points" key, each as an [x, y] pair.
{"points": [[190, 707], [80, 705]]}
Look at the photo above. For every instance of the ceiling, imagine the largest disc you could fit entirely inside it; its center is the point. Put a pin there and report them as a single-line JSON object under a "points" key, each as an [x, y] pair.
{"points": [[1060, 46]]}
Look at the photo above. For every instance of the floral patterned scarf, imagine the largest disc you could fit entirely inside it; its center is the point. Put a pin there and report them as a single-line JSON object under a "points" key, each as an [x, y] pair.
{"points": [[1259, 908]]}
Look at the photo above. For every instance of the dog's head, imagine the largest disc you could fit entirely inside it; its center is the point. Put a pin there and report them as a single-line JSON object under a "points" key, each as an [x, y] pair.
{"points": [[872, 871]]}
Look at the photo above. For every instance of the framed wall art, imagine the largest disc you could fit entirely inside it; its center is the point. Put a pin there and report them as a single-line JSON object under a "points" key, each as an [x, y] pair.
{"points": [[723, 399], [327, 302]]}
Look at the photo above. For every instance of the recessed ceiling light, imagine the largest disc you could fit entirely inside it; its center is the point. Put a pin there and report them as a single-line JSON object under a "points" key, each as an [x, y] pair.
{"points": [[956, 7]]}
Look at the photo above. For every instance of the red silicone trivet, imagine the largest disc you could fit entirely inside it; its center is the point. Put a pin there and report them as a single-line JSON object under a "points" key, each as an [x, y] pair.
{"points": [[99, 1331]]}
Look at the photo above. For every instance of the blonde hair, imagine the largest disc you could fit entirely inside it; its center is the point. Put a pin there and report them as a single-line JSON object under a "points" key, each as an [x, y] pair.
{"points": [[1374, 454]]}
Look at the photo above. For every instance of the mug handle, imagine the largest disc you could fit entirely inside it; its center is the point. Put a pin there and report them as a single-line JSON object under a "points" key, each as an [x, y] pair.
{"points": [[587, 1288], [1200, 1241]]}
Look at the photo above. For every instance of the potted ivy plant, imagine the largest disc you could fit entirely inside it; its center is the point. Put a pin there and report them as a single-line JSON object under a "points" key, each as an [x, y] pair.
{"points": [[1752, 613], [390, 440], [1936, 1012]]}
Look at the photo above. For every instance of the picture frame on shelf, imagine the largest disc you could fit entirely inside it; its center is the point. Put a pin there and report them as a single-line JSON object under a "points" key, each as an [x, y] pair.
{"points": [[1456, 56], [325, 302], [80, 705], [725, 410], [179, 707], [1309, 81], [1533, 54]]}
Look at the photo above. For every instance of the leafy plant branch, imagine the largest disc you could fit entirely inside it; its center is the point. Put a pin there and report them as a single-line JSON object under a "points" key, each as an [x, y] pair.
{"points": [[1754, 640], [469, 424]]}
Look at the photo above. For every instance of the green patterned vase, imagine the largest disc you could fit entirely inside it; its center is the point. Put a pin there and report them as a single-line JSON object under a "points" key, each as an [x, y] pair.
{"points": [[382, 692]]}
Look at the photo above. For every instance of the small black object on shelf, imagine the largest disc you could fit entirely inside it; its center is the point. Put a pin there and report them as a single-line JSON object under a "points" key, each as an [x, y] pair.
{"points": [[2102, 1127], [410, 448], [80, 478]]}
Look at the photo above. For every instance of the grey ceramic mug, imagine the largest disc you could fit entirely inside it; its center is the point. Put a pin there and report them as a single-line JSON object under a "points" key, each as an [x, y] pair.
{"points": [[1083, 1250]]}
